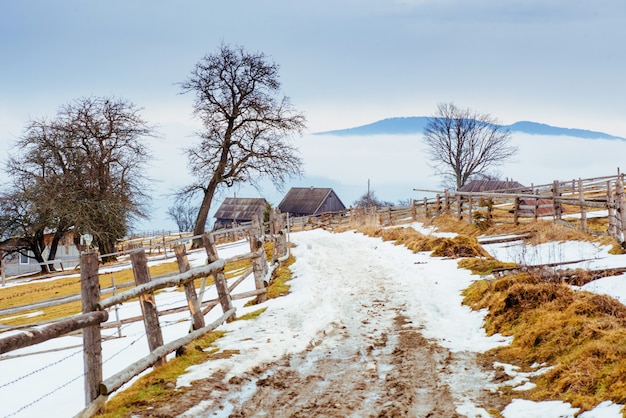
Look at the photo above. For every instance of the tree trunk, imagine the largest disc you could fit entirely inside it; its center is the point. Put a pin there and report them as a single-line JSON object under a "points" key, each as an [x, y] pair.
{"points": [[61, 230], [54, 246], [36, 249], [203, 213], [106, 246], [209, 192]]}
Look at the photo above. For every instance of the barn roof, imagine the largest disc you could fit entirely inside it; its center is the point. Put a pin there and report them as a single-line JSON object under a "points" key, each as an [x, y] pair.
{"points": [[303, 200], [493, 186], [240, 208]]}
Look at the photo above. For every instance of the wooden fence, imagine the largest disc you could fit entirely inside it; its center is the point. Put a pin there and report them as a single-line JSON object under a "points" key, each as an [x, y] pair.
{"points": [[579, 203], [94, 308], [574, 203]]}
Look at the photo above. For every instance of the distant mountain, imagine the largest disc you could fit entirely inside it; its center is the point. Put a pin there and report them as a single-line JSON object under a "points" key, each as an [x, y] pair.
{"points": [[543, 129], [416, 125]]}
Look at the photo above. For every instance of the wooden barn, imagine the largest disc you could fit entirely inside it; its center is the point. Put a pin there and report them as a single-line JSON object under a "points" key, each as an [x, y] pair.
{"points": [[310, 201], [238, 210]]}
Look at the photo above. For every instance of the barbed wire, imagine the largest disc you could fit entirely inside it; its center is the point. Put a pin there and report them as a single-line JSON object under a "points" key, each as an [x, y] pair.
{"points": [[40, 369], [28, 405], [165, 324], [6, 357], [40, 289], [141, 336]]}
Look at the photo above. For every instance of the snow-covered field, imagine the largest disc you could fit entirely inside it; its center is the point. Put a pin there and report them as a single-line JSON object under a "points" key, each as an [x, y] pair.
{"points": [[46, 380]]}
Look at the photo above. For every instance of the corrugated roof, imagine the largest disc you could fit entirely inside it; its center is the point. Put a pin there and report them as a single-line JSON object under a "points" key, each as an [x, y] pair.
{"points": [[492, 186], [240, 208], [303, 200]]}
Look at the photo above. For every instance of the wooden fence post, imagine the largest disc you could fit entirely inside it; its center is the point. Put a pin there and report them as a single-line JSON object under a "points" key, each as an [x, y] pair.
{"points": [[190, 289], [264, 269], [280, 244], [610, 204], [259, 267], [260, 225], [459, 202], [470, 214], [92, 339], [536, 208], [425, 209], [220, 280], [274, 228], [147, 302], [438, 208], [619, 195], [285, 232], [446, 200], [516, 206], [583, 208], [414, 209], [556, 194]]}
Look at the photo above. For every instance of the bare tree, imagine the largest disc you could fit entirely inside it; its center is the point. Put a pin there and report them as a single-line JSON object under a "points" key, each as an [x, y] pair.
{"points": [[30, 206], [87, 165], [369, 199], [462, 143], [247, 125], [22, 225], [184, 215]]}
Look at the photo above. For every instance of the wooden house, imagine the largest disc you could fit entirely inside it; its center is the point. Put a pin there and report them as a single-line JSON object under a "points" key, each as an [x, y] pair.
{"points": [[238, 210], [310, 201], [14, 264]]}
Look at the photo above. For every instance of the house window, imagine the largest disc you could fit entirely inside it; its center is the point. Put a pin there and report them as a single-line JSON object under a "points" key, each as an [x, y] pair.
{"points": [[24, 259]]}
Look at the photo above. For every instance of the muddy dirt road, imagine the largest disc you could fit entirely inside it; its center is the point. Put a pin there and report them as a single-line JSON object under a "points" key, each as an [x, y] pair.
{"points": [[360, 331]]}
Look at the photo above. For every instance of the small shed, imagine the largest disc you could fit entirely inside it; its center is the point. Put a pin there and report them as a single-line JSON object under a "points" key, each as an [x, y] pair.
{"points": [[310, 201], [237, 210]]}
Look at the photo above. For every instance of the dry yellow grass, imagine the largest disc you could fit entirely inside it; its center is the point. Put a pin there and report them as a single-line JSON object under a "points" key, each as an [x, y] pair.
{"points": [[580, 334], [459, 246]]}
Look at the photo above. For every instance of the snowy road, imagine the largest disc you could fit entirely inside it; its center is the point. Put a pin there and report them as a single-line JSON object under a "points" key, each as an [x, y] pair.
{"points": [[370, 329]]}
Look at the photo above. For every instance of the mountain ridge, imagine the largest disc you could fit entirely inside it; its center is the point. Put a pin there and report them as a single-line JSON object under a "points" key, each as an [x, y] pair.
{"points": [[416, 125]]}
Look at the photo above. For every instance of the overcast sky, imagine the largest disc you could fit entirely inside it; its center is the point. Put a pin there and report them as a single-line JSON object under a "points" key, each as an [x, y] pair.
{"points": [[343, 63]]}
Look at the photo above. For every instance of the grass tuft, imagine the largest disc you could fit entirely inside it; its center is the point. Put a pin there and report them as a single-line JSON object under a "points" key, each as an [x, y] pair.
{"points": [[483, 265], [581, 334]]}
